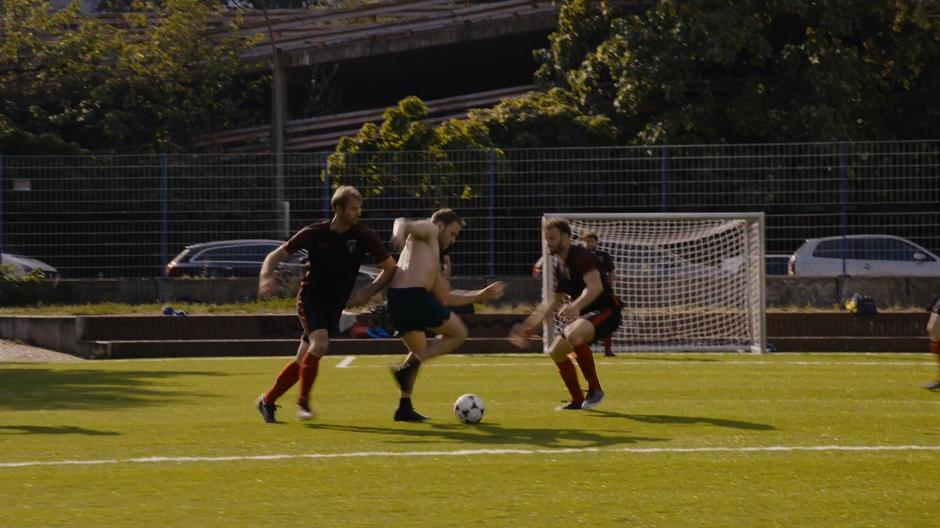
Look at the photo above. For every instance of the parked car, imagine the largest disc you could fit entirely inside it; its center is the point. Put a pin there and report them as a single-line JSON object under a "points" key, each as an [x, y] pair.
{"points": [[860, 255], [19, 266], [239, 258], [776, 264]]}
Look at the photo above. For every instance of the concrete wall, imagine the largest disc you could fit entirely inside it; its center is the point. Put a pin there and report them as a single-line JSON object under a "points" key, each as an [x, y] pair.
{"points": [[781, 291]]}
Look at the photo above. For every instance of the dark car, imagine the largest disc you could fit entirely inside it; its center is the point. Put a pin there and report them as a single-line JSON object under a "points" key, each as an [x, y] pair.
{"points": [[240, 258], [231, 258]]}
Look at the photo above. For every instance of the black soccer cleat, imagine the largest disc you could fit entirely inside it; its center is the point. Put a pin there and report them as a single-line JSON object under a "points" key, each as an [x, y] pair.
{"points": [[267, 411], [933, 386], [405, 375], [304, 412], [406, 414], [570, 406], [594, 398]]}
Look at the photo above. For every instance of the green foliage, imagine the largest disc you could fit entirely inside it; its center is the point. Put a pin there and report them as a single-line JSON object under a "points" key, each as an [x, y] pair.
{"points": [[18, 290], [149, 84], [742, 70]]}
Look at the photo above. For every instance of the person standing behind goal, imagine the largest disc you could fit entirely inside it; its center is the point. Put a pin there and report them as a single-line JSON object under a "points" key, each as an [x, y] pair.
{"points": [[933, 333], [594, 307], [605, 265], [335, 250]]}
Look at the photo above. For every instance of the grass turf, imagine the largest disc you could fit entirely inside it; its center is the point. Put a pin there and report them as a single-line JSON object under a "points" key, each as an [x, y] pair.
{"points": [[525, 465]]}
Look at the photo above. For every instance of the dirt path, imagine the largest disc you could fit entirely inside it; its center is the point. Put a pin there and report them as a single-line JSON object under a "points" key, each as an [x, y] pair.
{"points": [[11, 351]]}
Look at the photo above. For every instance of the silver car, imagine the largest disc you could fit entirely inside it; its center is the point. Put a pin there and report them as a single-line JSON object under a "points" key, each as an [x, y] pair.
{"points": [[861, 255]]}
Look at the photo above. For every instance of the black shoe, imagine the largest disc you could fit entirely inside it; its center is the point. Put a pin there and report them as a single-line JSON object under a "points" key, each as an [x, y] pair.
{"points": [[594, 398], [405, 375], [933, 386], [571, 406], [408, 415], [267, 411], [609, 353]]}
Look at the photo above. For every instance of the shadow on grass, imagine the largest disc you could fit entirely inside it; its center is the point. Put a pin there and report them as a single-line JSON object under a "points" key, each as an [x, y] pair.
{"points": [[686, 420], [39, 429], [665, 357], [489, 433], [23, 389]]}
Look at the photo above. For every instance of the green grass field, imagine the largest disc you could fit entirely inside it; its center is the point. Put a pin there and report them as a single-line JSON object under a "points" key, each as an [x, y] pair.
{"points": [[682, 440]]}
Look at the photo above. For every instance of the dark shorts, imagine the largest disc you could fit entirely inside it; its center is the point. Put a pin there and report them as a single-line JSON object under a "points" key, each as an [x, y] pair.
{"points": [[316, 315], [605, 318], [415, 309]]}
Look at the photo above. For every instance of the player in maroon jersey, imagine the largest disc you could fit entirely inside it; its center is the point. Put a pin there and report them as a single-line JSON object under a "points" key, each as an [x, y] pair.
{"points": [[605, 264], [594, 308], [335, 250]]}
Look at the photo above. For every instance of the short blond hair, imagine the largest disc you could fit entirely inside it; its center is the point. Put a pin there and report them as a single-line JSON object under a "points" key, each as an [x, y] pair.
{"points": [[342, 196], [589, 234], [558, 223]]}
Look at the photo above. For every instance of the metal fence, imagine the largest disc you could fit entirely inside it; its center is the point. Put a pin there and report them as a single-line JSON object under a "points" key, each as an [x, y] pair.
{"points": [[127, 216]]}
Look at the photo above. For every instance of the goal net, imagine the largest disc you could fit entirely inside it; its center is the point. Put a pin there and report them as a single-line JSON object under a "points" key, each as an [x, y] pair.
{"points": [[688, 282]]}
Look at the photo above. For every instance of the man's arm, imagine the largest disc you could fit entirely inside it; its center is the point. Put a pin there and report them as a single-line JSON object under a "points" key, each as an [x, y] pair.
{"points": [[266, 282], [420, 229], [519, 335], [441, 290], [593, 287], [363, 295]]}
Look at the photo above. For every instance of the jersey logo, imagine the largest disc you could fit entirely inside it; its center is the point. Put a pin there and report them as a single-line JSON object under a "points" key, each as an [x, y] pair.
{"points": [[351, 245]]}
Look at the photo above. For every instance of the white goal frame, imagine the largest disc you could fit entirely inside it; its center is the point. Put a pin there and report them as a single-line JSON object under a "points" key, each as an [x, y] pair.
{"points": [[751, 311]]}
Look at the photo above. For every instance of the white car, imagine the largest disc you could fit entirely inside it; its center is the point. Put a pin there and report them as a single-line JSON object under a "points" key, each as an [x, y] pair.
{"points": [[19, 266], [861, 255]]}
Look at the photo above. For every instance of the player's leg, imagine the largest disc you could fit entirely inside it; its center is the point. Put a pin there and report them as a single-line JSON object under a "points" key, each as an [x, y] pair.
{"points": [[309, 366], [559, 351], [580, 334], [933, 333], [453, 333], [284, 381], [405, 374], [608, 347]]}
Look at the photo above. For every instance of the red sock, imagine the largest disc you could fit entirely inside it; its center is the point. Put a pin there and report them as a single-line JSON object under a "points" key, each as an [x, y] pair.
{"points": [[607, 343], [586, 362], [570, 376], [285, 380], [935, 348], [308, 373]]}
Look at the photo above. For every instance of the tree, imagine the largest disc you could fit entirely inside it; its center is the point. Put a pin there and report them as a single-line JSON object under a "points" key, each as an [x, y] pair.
{"points": [[149, 84], [748, 70]]}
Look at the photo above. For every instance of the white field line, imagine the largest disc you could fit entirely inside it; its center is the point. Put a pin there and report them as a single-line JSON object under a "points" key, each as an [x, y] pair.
{"points": [[346, 361], [479, 452]]}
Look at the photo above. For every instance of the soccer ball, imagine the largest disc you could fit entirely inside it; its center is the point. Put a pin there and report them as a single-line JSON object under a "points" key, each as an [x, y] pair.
{"points": [[468, 409]]}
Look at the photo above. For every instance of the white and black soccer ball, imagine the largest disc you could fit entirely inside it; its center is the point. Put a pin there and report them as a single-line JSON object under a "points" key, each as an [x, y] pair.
{"points": [[469, 409]]}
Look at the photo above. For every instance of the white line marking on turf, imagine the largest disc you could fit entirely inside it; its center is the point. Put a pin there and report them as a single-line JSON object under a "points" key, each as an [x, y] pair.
{"points": [[346, 362], [477, 452]]}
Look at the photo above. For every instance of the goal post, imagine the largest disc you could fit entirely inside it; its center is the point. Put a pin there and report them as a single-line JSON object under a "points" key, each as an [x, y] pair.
{"points": [[687, 281]]}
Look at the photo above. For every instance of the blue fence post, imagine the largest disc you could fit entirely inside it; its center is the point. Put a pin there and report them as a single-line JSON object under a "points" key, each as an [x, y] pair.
{"points": [[326, 186], [491, 207], [2, 191], [664, 172], [843, 201], [165, 211]]}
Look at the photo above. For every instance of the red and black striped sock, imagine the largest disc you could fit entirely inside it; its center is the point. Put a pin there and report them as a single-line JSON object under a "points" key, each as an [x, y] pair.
{"points": [[308, 373], [570, 376], [285, 380], [586, 362]]}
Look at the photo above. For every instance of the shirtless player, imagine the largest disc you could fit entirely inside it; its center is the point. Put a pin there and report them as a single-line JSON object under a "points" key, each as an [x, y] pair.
{"points": [[418, 297]]}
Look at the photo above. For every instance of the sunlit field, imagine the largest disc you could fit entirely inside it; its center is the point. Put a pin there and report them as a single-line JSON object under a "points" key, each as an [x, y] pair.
{"points": [[682, 440]]}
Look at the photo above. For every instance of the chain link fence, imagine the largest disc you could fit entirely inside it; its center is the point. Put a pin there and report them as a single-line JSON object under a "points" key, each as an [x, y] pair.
{"points": [[127, 216]]}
